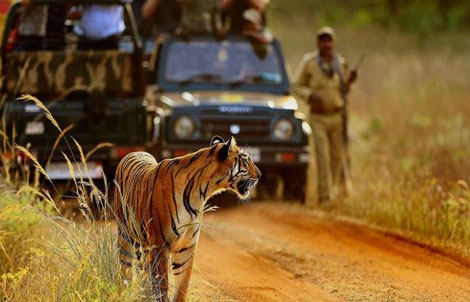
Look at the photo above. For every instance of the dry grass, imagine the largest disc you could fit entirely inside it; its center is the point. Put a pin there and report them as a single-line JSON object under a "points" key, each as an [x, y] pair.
{"points": [[410, 135], [411, 141], [410, 146], [47, 258], [44, 256]]}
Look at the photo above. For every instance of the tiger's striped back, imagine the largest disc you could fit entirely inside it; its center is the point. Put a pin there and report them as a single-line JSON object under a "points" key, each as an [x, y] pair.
{"points": [[159, 206]]}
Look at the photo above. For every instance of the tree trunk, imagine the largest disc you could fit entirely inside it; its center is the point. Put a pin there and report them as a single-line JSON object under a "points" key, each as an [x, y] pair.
{"points": [[393, 7]]}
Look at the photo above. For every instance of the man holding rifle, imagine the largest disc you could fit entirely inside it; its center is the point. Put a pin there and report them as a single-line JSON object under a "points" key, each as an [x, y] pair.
{"points": [[323, 82]]}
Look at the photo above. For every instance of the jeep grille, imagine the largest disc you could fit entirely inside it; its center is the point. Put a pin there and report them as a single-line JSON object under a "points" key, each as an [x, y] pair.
{"points": [[254, 129]]}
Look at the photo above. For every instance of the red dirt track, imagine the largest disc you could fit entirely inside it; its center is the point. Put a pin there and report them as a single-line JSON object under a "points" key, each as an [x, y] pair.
{"points": [[283, 252]]}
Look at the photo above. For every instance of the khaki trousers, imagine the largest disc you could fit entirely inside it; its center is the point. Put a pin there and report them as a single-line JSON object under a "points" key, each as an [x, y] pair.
{"points": [[330, 154]]}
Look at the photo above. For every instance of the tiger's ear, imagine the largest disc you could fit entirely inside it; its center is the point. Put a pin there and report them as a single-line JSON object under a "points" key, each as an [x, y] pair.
{"points": [[217, 140], [225, 150]]}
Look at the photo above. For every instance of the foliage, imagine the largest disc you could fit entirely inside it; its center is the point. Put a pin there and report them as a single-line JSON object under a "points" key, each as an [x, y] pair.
{"points": [[44, 256], [410, 146], [51, 259], [409, 134], [419, 16]]}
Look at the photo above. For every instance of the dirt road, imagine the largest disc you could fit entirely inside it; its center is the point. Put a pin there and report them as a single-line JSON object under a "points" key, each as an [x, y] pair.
{"points": [[280, 252]]}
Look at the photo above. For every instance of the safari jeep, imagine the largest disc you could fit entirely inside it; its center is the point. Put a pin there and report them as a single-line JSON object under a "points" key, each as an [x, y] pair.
{"points": [[204, 87], [99, 93]]}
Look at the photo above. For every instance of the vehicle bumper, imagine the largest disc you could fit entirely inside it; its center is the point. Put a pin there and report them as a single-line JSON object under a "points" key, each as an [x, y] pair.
{"points": [[100, 163], [267, 155]]}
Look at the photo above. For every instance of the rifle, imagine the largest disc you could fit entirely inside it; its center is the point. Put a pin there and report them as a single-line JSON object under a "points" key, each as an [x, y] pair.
{"points": [[344, 113], [359, 62], [345, 99]]}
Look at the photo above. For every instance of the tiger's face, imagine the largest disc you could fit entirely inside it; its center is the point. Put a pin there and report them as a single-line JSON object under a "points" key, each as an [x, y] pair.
{"points": [[239, 173]]}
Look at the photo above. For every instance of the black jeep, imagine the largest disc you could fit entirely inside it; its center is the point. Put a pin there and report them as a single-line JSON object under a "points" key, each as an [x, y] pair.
{"points": [[204, 87], [98, 92]]}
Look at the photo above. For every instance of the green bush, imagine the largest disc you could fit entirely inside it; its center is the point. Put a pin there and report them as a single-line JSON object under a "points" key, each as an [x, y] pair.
{"points": [[422, 16]]}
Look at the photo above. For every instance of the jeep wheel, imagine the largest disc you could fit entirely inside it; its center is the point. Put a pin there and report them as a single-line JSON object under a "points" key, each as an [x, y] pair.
{"points": [[294, 184], [268, 188]]}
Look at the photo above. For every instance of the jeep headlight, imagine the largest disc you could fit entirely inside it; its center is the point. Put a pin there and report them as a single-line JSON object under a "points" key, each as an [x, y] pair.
{"points": [[184, 127], [283, 129]]}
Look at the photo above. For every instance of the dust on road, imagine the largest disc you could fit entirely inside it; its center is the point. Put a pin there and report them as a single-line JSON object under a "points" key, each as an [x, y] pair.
{"points": [[281, 252]]}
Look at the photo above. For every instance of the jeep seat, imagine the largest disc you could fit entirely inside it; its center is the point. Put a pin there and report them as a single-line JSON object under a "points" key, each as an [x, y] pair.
{"points": [[54, 74]]}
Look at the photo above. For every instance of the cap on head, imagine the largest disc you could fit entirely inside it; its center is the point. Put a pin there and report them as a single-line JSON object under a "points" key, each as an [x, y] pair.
{"points": [[326, 31]]}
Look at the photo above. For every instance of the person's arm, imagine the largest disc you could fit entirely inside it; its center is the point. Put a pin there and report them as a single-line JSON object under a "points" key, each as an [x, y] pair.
{"points": [[217, 25], [226, 5], [75, 13], [301, 80], [149, 8]]}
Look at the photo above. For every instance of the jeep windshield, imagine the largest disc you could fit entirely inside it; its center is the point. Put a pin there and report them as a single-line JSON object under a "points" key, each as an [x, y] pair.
{"points": [[233, 64]]}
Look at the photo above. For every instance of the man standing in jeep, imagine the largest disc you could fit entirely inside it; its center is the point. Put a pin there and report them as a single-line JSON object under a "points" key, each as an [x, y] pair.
{"points": [[98, 26], [323, 81], [197, 16], [41, 25], [96, 91]]}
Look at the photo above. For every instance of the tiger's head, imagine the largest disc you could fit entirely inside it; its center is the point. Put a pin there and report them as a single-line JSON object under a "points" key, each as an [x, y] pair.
{"points": [[238, 172]]}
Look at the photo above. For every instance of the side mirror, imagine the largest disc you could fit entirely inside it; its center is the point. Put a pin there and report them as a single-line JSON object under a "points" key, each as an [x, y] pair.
{"points": [[153, 95], [149, 71], [155, 89]]}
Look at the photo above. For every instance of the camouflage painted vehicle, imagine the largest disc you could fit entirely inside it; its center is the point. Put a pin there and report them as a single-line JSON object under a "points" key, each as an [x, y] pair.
{"points": [[204, 87], [98, 92]]}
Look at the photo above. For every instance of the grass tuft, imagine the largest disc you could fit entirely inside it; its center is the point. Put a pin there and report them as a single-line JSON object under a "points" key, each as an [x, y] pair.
{"points": [[49, 116], [43, 255]]}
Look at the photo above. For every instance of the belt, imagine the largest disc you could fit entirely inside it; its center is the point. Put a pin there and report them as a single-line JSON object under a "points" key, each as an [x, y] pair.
{"points": [[318, 110]]}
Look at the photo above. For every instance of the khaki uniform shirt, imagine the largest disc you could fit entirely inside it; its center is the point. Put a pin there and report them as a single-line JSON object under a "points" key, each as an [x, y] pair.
{"points": [[199, 17], [310, 78]]}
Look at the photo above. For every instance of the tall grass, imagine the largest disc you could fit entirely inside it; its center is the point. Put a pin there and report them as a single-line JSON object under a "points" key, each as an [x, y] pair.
{"points": [[47, 258], [411, 145], [44, 256], [410, 137]]}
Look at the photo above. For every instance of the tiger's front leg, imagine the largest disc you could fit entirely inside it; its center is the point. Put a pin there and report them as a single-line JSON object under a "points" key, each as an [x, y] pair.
{"points": [[182, 265]]}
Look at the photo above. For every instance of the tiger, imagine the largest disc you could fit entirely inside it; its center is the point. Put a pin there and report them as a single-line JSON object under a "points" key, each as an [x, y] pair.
{"points": [[159, 207]]}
